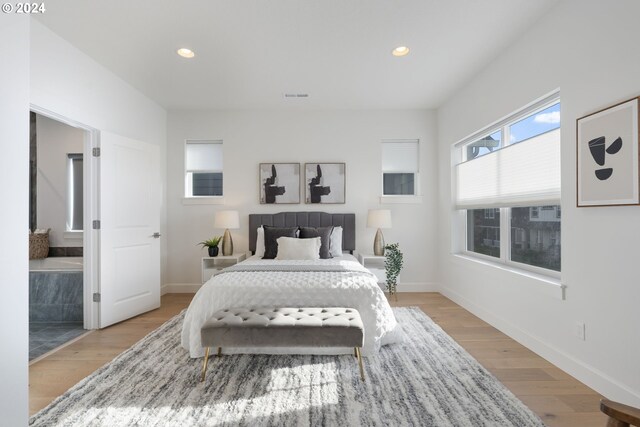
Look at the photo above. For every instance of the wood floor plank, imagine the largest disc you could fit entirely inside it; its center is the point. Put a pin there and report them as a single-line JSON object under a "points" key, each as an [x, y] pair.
{"points": [[554, 395]]}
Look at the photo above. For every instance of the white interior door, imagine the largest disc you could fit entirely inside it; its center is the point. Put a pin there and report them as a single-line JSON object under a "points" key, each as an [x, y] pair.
{"points": [[130, 191]]}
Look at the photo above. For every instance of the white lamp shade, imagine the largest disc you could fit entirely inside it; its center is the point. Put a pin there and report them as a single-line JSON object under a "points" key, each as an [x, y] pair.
{"points": [[379, 218], [227, 219]]}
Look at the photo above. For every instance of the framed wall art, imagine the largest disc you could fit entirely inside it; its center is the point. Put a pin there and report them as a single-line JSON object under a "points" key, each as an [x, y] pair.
{"points": [[279, 183], [607, 156], [325, 182]]}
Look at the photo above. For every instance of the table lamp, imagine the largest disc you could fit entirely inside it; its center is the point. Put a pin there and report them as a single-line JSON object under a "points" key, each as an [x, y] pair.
{"points": [[379, 218], [227, 220]]}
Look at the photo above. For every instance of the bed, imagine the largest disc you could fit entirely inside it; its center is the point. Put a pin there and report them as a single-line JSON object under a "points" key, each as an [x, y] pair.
{"points": [[336, 282]]}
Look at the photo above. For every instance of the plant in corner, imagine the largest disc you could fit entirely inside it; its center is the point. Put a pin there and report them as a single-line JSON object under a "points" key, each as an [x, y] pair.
{"points": [[212, 245], [393, 265]]}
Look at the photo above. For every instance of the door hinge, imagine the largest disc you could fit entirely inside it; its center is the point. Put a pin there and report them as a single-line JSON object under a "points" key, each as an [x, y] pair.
{"points": [[96, 224], [96, 297], [96, 151]]}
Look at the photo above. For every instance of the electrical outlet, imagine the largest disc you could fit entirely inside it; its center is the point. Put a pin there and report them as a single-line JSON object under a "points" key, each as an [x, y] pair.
{"points": [[580, 331]]}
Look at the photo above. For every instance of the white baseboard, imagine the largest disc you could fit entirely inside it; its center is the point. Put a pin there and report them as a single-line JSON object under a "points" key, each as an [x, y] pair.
{"points": [[583, 372], [180, 288]]}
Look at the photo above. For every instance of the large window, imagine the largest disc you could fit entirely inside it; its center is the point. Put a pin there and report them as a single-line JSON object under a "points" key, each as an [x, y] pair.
{"points": [[508, 185], [203, 168], [400, 167]]}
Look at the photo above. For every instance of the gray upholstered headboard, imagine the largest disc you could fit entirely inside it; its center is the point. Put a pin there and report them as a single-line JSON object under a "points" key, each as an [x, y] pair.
{"points": [[306, 219]]}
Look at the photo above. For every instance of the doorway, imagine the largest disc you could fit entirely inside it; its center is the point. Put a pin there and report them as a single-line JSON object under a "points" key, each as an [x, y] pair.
{"points": [[57, 210]]}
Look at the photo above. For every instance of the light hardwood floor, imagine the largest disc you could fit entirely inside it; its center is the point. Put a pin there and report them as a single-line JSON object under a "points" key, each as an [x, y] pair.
{"points": [[555, 396]]}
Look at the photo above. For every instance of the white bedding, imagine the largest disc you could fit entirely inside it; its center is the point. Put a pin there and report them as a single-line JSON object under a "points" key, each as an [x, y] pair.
{"points": [[357, 289]]}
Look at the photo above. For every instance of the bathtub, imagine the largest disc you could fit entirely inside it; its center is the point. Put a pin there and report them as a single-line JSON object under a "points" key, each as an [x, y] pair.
{"points": [[56, 289], [56, 264]]}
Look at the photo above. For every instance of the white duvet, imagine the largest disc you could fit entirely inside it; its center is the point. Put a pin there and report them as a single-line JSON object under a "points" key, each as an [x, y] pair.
{"points": [[356, 289]]}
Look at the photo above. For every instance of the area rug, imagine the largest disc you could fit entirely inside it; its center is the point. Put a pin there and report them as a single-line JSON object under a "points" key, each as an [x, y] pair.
{"points": [[428, 380]]}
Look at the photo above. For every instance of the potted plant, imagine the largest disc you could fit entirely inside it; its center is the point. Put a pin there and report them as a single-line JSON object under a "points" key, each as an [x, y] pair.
{"points": [[393, 265], [212, 245]]}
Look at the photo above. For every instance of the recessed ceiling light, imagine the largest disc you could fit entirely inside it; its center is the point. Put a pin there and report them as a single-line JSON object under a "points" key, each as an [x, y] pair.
{"points": [[400, 51], [186, 53]]}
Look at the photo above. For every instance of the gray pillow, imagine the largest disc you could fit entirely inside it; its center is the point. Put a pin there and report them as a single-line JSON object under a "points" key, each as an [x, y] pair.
{"points": [[271, 235], [325, 237]]}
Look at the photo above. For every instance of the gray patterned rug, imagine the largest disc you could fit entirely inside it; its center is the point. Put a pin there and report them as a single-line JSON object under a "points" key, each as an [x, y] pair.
{"points": [[428, 380]]}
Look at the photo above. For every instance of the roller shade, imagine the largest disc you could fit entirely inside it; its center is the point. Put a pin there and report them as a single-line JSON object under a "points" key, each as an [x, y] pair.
{"points": [[522, 174], [400, 156], [204, 156]]}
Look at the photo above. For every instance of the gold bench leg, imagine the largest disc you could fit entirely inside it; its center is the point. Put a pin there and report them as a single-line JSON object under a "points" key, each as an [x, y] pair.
{"points": [[219, 351], [359, 356], [355, 352], [204, 366]]}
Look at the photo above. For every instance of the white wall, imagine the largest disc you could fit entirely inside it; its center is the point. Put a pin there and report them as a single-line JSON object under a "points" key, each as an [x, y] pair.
{"points": [[253, 137], [14, 219], [54, 141], [588, 49], [67, 82]]}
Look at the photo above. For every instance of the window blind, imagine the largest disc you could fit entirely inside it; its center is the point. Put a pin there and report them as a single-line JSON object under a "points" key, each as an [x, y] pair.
{"points": [[204, 156], [522, 174], [400, 156]]}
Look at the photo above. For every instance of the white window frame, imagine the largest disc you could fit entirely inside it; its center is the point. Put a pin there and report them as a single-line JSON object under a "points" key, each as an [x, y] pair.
{"points": [[416, 197], [459, 222], [189, 198]]}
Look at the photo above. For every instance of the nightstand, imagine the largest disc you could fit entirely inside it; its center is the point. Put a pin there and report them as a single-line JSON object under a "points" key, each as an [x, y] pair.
{"points": [[375, 264], [212, 265]]}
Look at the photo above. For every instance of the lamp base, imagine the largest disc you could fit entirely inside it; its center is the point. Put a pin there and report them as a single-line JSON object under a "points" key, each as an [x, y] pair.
{"points": [[378, 244], [227, 243]]}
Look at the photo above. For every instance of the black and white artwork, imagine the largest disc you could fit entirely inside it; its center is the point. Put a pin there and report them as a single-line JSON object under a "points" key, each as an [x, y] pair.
{"points": [[325, 183], [607, 150], [279, 183]]}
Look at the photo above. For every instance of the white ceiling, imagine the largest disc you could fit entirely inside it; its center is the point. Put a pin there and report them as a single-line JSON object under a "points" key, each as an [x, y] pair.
{"points": [[250, 52]]}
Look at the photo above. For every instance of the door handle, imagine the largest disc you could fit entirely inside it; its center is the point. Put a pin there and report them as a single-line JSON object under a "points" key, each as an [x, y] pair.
{"points": [[156, 235]]}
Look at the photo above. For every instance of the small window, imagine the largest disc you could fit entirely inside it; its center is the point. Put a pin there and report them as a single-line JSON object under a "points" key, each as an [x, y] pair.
{"points": [[74, 190], [535, 212], [203, 169], [400, 167]]}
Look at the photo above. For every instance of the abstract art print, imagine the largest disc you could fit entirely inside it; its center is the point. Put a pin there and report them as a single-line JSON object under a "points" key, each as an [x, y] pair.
{"points": [[279, 183], [325, 182], [607, 151]]}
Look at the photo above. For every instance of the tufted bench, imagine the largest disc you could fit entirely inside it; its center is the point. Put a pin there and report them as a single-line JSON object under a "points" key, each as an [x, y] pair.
{"points": [[283, 327]]}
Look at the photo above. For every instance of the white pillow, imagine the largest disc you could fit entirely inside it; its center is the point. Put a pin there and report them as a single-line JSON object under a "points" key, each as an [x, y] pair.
{"points": [[292, 248], [335, 247], [260, 242]]}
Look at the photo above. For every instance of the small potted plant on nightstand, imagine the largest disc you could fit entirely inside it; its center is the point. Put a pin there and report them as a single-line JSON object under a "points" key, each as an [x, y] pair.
{"points": [[393, 265], [212, 245]]}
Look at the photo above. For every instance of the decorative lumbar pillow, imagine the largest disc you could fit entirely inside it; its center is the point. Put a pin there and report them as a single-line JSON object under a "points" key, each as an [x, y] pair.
{"points": [[260, 242], [325, 235], [336, 242], [271, 235], [293, 248]]}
